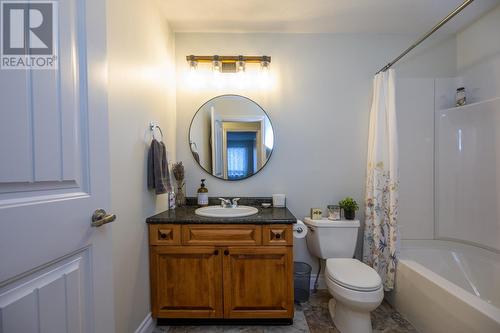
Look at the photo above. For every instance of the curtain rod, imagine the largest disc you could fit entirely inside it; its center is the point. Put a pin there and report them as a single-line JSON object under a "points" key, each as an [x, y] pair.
{"points": [[424, 37]]}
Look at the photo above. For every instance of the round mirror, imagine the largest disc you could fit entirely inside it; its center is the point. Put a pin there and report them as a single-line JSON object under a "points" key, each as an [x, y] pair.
{"points": [[231, 137]]}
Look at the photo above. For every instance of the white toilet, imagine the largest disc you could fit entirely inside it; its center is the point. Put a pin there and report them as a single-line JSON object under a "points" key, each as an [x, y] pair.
{"points": [[356, 288]]}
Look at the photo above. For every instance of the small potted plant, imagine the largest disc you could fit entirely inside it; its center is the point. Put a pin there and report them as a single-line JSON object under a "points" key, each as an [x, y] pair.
{"points": [[350, 206]]}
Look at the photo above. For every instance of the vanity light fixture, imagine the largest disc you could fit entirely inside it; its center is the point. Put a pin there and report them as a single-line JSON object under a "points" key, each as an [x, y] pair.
{"points": [[229, 64]]}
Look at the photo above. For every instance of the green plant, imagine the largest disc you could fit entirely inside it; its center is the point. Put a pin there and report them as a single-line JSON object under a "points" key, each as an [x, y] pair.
{"points": [[349, 204]]}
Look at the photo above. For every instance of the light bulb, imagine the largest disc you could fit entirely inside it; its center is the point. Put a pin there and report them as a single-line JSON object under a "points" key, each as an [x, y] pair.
{"points": [[265, 64], [193, 63], [216, 64], [240, 64]]}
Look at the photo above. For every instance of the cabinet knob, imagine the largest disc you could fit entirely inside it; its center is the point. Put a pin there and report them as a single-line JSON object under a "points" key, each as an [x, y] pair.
{"points": [[216, 252], [226, 252], [163, 235], [278, 236]]}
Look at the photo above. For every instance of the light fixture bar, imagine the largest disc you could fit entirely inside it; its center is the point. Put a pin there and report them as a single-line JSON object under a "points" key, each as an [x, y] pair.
{"points": [[247, 59]]}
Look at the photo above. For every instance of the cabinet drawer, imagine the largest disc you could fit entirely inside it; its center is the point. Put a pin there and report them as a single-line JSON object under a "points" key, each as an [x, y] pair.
{"points": [[277, 234], [217, 234], [164, 234]]}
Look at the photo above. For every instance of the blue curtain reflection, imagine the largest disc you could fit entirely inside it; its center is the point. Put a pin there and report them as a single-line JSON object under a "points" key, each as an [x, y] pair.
{"points": [[241, 154]]}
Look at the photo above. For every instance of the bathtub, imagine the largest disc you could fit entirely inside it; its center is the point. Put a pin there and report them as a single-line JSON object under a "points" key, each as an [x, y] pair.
{"points": [[444, 286]]}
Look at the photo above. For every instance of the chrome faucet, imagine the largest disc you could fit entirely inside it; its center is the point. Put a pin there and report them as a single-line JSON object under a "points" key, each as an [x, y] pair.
{"points": [[226, 203], [235, 203]]}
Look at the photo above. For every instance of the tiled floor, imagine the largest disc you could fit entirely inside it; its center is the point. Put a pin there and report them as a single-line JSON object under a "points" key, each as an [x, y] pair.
{"points": [[312, 316]]}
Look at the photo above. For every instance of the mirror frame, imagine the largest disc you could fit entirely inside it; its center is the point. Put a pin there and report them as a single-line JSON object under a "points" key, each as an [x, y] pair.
{"points": [[265, 113]]}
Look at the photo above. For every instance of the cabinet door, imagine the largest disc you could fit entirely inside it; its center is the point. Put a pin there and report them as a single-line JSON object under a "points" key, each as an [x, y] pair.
{"points": [[186, 282], [258, 282]]}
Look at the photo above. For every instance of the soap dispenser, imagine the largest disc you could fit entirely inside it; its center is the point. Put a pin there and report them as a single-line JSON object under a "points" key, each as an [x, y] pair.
{"points": [[202, 194]]}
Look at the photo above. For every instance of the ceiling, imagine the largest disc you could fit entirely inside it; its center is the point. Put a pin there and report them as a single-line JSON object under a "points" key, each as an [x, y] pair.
{"points": [[318, 16]]}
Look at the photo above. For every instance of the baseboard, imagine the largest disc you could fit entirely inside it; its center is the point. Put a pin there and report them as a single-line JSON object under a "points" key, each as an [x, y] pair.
{"points": [[321, 281], [224, 322], [147, 325]]}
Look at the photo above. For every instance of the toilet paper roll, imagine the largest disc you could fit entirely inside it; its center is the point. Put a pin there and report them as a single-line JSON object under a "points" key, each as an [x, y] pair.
{"points": [[299, 229]]}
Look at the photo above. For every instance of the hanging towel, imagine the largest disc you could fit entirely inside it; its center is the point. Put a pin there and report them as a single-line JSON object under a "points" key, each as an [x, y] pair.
{"points": [[158, 174]]}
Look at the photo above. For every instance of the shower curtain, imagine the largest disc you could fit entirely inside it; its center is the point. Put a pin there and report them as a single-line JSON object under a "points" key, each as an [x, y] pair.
{"points": [[380, 249]]}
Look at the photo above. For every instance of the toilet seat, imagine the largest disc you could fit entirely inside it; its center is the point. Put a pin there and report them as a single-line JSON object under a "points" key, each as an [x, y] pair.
{"points": [[352, 274]]}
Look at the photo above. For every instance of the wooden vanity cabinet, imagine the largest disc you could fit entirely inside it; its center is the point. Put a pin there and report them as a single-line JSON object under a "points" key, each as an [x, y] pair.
{"points": [[221, 271]]}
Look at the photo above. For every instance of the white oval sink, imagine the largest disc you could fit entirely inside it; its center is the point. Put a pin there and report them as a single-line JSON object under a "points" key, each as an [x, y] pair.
{"points": [[218, 211]]}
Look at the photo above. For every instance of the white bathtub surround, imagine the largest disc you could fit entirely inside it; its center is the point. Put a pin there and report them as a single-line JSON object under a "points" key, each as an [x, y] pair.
{"points": [[467, 173], [445, 286], [382, 181]]}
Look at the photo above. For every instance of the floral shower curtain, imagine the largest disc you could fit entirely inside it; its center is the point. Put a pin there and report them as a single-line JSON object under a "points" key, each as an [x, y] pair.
{"points": [[381, 237]]}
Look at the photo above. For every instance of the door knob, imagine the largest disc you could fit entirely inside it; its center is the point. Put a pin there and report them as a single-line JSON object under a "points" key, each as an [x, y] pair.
{"points": [[100, 217]]}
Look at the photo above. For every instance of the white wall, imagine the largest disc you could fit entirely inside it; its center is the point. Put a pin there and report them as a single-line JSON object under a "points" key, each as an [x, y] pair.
{"points": [[318, 100], [141, 89], [478, 57]]}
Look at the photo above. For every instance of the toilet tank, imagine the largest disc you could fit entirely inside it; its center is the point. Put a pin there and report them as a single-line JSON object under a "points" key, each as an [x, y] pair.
{"points": [[332, 239]]}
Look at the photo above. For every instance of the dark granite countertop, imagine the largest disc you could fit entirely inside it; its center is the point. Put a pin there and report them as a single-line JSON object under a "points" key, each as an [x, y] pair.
{"points": [[184, 215]]}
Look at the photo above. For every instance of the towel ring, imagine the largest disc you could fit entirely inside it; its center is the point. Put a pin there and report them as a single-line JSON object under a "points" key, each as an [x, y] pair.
{"points": [[152, 127]]}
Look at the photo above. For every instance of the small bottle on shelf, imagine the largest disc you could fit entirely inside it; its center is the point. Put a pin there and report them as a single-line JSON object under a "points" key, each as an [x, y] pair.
{"points": [[460, 97]]}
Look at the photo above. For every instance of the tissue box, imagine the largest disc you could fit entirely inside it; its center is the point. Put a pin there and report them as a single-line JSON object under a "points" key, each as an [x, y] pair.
{"points": [[279, 200]]}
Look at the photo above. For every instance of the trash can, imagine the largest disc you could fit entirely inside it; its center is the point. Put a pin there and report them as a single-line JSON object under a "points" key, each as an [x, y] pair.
{"points": [[301, 280]]}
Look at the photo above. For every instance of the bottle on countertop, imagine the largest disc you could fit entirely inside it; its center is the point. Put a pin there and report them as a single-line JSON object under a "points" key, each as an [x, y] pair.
{"points": [[171, 199], [202, 194]]}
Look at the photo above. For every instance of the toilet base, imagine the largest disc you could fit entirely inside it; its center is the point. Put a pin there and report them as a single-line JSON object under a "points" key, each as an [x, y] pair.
{"points": [[348, 320]]}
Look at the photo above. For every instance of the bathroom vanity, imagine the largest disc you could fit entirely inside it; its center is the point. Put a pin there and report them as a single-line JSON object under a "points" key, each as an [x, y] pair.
{"points": [[222, 268]]}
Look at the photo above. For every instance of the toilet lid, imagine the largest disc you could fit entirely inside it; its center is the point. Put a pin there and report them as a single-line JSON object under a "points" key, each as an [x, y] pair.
{"points": [[352, 274]]}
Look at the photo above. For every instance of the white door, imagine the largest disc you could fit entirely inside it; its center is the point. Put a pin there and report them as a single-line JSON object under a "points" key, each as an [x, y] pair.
{"points": [[216, 140], [55, 269]]}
